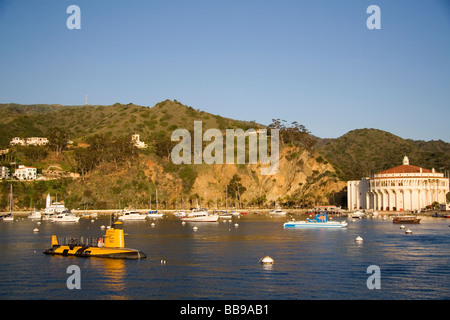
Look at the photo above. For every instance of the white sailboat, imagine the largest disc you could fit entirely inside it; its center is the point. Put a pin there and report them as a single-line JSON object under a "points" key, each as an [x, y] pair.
{"points": [[9, 216], [154, 213]]}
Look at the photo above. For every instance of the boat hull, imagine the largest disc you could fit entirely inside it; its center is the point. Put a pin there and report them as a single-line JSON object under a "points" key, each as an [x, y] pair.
{"points": [[211, 218], [405, 220], [121, 218], [100, 252]]}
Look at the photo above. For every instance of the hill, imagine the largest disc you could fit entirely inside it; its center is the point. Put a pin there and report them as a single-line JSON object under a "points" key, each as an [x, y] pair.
{"points": [[361, 152], [80, 122], [114, 174]]}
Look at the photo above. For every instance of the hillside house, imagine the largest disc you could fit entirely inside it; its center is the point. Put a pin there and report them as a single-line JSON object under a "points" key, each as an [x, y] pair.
{"points": [[32, 141], [25, 173], [135, 138], [4, 172]]}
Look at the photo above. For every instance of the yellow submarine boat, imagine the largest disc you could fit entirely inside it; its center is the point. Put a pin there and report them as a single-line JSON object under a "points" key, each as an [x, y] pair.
{"points": [[112, 247]]}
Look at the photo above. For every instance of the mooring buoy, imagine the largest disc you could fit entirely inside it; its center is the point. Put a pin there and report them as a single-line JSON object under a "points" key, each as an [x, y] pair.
{"points": [[267, 260]]}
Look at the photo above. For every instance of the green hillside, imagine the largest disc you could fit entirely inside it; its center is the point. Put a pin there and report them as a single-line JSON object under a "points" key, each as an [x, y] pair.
{"points": [[113, 172], [361, 152], [81, 122]]}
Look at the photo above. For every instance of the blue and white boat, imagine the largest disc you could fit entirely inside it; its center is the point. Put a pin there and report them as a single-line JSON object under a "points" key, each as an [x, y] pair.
{"points": [[154, 214], [319, 221]]}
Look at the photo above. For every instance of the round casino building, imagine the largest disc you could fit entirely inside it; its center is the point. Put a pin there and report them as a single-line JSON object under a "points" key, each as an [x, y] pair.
{"points": [[402, 188]]}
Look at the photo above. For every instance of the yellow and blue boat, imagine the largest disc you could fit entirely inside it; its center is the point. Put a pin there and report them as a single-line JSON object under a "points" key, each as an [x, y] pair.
{"points": [[113, 246], [319, 221]]}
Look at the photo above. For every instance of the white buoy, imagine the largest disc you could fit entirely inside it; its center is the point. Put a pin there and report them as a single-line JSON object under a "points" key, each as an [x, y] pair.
{"points": [[195, 228], [92, 220], [408, 231], [267, 260], [35, 230], [102, 227], [402, 227], [359, 238], [236, 225], [183, 223], [153, 224], [39, 223]]}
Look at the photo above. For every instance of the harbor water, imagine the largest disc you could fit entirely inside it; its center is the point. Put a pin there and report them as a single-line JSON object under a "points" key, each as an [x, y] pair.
{"points": [[221, 261]]}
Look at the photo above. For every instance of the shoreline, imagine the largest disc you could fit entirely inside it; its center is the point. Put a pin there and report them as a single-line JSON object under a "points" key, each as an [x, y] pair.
{"points": [[107, 212]]}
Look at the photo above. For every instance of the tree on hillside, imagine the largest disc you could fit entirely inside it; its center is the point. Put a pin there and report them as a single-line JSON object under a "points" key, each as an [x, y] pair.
{"points": [[235, 188], [122, 150], [296, 133], [58, 139], [163, 146], [86, 161], [33, 153]]}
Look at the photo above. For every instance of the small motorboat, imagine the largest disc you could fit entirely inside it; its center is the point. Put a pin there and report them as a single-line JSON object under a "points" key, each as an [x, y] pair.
{"points": [[200, 215], [405, 219], [179, 214], [35, 215], [277, 212], [358, 214], [7, 217], [132, 216], [154, 214], [65, 216]]}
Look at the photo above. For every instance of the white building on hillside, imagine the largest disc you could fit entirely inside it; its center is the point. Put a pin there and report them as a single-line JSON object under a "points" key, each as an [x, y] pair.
{"points": [[17, 141], [135, 138], [25, 173], [405, 187], [4, 172], [36, 141], [33, 141]]}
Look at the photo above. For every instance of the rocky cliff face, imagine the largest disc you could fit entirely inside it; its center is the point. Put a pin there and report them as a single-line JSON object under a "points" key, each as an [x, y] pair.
{"points": [[300, 177]]}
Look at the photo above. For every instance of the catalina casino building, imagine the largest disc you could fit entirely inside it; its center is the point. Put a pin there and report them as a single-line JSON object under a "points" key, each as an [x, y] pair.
{"points": [[402, 188]]}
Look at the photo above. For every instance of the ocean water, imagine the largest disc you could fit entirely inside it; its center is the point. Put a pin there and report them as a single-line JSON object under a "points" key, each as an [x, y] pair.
{"points": [[220, 261]]}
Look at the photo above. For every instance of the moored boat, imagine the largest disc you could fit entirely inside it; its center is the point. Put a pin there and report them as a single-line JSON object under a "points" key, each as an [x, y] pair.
{"points": [[358, 214], [200, 215], [65, 216], [132, 215], [319, 221], [9, 216], [154, 214], [179, 214], [35, 215], [277, 212], [405, 219]]}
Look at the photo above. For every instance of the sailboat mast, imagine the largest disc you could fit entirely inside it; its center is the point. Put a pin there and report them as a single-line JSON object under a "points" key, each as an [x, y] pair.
{"points": [[11, 199]]}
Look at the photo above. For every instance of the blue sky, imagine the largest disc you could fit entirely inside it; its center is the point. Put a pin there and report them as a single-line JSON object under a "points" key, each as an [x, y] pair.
{"points": [[311, 61]]}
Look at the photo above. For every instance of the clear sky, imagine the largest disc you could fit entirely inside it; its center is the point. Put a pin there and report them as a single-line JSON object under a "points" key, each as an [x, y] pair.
{"points": [[311, 61]]}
